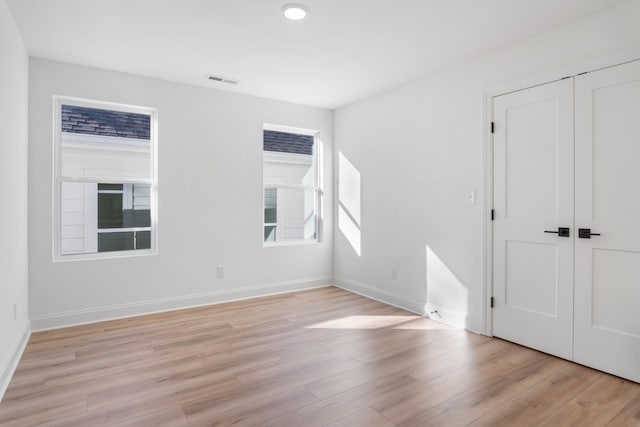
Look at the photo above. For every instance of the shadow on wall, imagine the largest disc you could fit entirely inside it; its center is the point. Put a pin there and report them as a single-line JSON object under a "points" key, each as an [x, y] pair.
{"points": [[445, 292], [349, 202]]}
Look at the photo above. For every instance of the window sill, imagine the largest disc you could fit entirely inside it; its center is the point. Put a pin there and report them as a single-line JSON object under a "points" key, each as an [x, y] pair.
{"points": [[290, 243], [104, 255]]}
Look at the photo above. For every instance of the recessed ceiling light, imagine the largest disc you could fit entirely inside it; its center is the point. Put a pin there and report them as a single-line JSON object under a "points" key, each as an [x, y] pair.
{"points": [[294, 11]]}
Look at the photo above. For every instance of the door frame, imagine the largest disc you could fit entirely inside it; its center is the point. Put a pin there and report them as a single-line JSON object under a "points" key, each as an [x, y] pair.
{"points": [[487, 161]]}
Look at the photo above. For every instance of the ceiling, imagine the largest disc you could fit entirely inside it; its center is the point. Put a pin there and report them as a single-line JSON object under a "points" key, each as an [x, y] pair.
{"points": [[343, 51]]}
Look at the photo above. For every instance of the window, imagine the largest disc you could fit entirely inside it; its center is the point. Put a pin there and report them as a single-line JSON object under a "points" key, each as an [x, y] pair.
{"points": [[290, 178], [105, 186]]}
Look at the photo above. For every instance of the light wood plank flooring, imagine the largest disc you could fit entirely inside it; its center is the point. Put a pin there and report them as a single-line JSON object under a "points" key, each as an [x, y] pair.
{"points": [[316, 358]]}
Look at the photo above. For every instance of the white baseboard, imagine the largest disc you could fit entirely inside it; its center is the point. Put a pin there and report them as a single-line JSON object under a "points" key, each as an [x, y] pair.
{"points": [[381, 295], [101, 314], [453, 318], [6, 372], [444, 315]]}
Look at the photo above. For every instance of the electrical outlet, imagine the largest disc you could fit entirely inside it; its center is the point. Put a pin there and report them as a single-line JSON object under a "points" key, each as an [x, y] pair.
{"points": [[394, 273], [220, 272]]}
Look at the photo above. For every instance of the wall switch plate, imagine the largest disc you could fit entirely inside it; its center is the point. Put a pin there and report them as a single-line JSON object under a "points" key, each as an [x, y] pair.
{"points": [[394, 273], [15, 311], [220, 272], [471, 197]]}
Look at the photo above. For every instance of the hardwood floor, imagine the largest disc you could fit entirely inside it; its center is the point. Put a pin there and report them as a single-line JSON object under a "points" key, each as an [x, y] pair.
{"points": [[321, 357]]}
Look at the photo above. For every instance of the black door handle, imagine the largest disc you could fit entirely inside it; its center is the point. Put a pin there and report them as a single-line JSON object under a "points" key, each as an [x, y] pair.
{"points": [[562, 232], [585, 233]]}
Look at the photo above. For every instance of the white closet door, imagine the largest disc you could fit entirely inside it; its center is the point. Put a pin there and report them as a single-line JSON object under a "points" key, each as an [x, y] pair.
{"points": [[533, 193], [607, 269]]}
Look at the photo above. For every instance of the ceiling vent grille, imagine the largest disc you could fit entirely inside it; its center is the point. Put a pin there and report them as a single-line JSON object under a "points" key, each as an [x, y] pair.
{"points": [[215, 78]]}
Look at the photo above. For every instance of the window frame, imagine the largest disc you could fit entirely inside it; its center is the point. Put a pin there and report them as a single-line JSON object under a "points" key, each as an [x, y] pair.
{"points": [[317, 189], [58, 179]]}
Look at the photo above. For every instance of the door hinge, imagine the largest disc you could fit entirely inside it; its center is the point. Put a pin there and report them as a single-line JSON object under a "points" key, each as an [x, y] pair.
{"points": [[493, 215], [492, 302], [493, 127]]}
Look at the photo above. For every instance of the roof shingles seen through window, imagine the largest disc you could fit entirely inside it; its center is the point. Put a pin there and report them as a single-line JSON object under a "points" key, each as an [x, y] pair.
{"points": [[285, 142], [95, 121]]}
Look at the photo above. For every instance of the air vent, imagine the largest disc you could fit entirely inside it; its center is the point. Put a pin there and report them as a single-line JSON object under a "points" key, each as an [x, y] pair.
{"points": [[215, 78]]}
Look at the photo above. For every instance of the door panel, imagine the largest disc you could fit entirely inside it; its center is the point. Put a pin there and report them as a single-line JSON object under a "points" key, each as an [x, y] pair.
{"points": [[528, 148], [533, 192], [616, 150], [616, 303], [532, 269], [607, 273]]}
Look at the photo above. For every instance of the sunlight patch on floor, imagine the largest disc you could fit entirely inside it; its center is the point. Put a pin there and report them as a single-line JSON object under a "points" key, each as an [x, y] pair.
{"points": [[363, 322]]}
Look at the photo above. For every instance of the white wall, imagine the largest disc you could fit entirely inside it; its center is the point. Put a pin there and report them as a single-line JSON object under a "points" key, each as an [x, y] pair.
{"points": [[13, 195], [419, 150], [210, 202]]}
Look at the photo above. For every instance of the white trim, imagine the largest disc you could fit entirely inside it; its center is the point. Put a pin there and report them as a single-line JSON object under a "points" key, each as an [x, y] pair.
{"points": [[447, 316], [454, 318], [106, 255], [297, 242], [487, 223], [120, 311], [123, 230], [7, 371], [89, 103], [381, 295], [590, 65], [290, 129]]}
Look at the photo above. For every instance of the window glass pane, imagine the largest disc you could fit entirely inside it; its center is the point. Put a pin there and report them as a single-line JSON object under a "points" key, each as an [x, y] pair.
{"points": [[143, 240], [110, 213], [109, 187], [136, 218], [102, 122], [87, 208], [289, 159], [269, 233], [78, 218], [121, 241], [126, 209], [124, 241], [297, 207], [270, 205]]}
